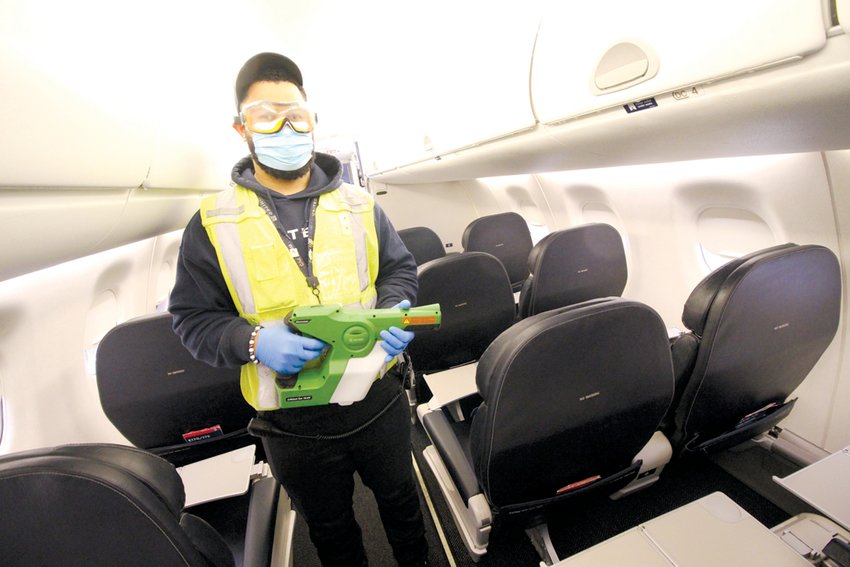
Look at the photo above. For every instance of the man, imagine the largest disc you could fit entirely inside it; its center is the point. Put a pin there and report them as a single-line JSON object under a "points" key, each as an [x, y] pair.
{"points": [[289, 233]]}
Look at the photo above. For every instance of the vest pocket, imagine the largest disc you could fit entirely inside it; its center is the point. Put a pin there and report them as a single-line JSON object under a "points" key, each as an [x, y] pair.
{"points": [[272, 275], [266, 261]]}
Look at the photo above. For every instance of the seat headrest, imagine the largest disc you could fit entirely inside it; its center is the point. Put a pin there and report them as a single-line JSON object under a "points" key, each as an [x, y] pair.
{"points": [[423, 243], [504, 235], [699, 301], [476, 303], [574, 265]]}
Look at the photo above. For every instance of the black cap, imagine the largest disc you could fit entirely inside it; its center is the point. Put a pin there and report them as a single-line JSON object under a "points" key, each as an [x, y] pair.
{"points": [[266, 67]]}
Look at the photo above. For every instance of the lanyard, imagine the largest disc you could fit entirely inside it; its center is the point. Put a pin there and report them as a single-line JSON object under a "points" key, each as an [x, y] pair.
{"points": [[305, 267]]}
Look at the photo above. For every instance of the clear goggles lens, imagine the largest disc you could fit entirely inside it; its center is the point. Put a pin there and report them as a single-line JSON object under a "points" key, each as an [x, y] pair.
{"points": [[268, 117]]}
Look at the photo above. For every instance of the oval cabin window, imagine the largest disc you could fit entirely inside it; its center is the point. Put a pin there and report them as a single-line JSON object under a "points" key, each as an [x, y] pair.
{"points": [[724, 233]]}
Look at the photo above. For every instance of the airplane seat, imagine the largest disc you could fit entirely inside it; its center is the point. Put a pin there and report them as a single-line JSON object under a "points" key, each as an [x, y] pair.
{"points": [[685, 346], [193, 415], [476, 303], [505, 236], [573, 265], [100, 504], [571, 398], [164, 400], [423, 243], [758, 325]]}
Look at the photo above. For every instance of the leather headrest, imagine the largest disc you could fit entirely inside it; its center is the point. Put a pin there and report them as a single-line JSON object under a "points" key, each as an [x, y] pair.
{"points": [[477, 304], [574, 265], [699, 302], [504, 235], [423, 243], [156, 473]]}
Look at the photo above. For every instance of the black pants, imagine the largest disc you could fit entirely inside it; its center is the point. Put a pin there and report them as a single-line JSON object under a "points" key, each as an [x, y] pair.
{"points": [[318, 474]]}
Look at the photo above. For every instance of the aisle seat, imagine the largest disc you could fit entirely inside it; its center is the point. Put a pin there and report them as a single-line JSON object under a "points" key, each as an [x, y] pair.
{"points": [[476, 303], [572, 399]]}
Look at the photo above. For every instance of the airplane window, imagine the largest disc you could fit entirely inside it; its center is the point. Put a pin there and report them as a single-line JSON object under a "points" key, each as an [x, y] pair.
{"points": [[725, 233], [102, 316], [601, 212], [530, 212], [538, 231], [164, 283]]}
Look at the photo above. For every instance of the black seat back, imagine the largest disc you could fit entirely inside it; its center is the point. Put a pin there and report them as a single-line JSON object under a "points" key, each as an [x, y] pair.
{"points": [[423, 243], [476, 302], [759, 324], [155, 392], [574, 265], [100, 505], [505, 236], [570, 397]]}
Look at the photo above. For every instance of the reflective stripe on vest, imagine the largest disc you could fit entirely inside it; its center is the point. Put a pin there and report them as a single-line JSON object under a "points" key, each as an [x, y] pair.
{"points": [[229, 250]]}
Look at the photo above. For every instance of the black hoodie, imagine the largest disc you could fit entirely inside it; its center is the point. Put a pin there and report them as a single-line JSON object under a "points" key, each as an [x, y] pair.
{"points": [[205, 317]]}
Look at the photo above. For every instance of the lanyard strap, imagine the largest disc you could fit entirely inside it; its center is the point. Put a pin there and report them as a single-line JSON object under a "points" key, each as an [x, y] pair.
{"points": [[305, 267]]}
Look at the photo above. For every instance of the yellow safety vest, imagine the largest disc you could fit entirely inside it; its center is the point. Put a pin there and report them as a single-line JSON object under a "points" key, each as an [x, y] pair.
{"points": [[264, 280]]}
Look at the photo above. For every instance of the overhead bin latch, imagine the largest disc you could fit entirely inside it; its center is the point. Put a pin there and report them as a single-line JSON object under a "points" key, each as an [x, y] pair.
{"points": [[623, 65]]}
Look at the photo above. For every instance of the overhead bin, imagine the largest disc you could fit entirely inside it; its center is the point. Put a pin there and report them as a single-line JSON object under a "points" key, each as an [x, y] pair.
{"points": [[69, 124], [459, 78], [842, 13], [617, 83], [45, 227], [595, 55]]}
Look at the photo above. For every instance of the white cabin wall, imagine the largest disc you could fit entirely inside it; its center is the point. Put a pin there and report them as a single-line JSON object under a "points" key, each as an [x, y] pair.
{"points": [[445, 208], [51, 322], [838, 167], [520, 194]]}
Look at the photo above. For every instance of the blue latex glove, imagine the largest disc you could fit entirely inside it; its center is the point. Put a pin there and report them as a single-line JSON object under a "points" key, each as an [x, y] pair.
{"points": [[285, 352], [395, 339]]}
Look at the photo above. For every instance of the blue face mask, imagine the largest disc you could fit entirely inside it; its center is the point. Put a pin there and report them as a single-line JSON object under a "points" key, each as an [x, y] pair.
{"points": [[286, 150]]}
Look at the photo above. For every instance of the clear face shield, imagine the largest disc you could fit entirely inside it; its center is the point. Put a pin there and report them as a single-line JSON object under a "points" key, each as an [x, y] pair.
{"points": [[268, 117]]}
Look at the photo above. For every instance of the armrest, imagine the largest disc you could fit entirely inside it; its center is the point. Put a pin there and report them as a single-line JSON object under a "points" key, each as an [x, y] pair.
{"points": [[259, 532], [442, 435]]}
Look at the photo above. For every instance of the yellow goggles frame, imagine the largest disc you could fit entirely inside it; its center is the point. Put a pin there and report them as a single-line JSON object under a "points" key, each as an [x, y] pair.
{"points": [[268, 117]]}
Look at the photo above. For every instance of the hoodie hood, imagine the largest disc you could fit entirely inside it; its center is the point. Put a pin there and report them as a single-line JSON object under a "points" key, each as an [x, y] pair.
{"points": [[325, 176]]}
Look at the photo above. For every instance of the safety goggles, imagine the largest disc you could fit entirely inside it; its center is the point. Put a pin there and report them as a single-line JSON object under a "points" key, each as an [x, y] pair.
{"points": [[268, 117]]}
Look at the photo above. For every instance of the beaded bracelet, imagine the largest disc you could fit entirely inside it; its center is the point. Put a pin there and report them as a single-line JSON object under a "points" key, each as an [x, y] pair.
{"points": [[252, 350]]}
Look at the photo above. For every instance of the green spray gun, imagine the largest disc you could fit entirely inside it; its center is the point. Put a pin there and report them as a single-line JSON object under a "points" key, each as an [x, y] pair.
{"points": [[354, 358]]}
